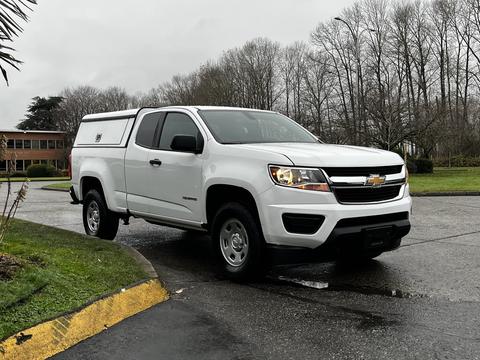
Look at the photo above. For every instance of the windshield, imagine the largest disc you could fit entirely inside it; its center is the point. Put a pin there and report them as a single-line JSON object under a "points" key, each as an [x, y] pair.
{"points": [[249, 126]]}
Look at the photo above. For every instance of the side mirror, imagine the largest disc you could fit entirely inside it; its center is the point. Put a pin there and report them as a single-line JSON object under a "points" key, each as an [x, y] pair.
{"points": [[186, 143]]}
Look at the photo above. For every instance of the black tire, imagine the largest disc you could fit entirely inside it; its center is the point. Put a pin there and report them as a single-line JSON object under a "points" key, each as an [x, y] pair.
{"points": [[107, 220], [253, 265]]}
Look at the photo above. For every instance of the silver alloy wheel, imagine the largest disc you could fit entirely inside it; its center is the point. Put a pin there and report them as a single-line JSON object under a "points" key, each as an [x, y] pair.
{"points": [[93, 217], [234, 242]]}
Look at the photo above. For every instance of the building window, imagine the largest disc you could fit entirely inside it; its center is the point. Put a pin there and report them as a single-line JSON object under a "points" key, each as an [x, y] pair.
{"points": [[27, 163], [35, 162], [51, 144], [43, 144], [43, 162], [35, 144], [59, 144], [18, 144], [10, 144], [19, 165], [61, 164], [27, 144], [3, 165]]}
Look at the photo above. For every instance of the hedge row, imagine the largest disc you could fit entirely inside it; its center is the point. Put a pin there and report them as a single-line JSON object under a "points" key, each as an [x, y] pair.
{"points": [[37, 170], [458, 161], [42, 170]]}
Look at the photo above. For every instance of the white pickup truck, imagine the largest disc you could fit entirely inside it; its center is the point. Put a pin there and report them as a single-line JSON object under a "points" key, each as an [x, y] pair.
{"points": [[262, 186]]}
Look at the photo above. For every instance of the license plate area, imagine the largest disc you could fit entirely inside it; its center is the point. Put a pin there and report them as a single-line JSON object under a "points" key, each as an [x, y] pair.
{"points": [[377, 237]]}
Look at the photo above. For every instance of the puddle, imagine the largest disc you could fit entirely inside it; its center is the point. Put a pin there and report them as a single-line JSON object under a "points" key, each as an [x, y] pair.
{"points": [[322, 285], [367, 290], [311, 284]]}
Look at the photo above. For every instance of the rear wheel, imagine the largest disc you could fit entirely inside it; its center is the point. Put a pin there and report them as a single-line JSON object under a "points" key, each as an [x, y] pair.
{"points": [[97, 219], [238, 242]]}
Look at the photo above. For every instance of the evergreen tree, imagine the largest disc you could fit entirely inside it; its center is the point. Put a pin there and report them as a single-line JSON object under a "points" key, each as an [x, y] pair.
{"points": [[42, 114]]}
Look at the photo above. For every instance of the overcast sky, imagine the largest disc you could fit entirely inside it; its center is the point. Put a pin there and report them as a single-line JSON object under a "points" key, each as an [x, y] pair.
{"points": [[140, 44]]}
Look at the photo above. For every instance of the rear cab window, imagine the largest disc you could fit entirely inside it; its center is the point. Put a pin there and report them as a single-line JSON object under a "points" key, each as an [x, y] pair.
{"points": [[148, 128], [177, 124]]}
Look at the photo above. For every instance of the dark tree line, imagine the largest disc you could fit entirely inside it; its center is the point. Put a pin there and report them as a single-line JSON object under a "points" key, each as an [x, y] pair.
{"points": [[384, 74]]}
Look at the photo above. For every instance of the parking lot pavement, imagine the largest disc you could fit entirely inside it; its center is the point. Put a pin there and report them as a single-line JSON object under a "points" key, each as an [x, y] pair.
{"points": [[420, 301]]}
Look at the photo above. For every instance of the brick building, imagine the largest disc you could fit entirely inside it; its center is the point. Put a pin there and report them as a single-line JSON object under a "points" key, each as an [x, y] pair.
{"points": [[35, 147]]}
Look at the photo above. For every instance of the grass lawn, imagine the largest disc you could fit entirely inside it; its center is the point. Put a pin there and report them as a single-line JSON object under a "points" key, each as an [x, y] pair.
{"points": [[60, 185], [19, 179], [446, 179], [60, 271]]}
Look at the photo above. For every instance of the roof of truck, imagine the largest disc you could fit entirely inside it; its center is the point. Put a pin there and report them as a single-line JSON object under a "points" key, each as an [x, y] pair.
{"points": [[111, 115], [133, 112], [224, 108]]}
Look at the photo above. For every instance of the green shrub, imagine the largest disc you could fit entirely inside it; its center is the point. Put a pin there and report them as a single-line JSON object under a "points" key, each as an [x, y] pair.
{"points": [[424, 166], [41, 170], [18, 174], [411, 166]]}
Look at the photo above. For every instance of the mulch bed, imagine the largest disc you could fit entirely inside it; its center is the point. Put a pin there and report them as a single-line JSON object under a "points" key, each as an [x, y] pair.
{"points": [[8, 266]]}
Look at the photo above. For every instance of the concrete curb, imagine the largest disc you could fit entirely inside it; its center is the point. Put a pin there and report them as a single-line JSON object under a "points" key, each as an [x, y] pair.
{"points": [[141, 260], [450, 193], [52, 337]]}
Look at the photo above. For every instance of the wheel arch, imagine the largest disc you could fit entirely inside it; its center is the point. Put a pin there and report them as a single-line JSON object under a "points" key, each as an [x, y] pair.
{"points": [[219, 194], [90, 182]]}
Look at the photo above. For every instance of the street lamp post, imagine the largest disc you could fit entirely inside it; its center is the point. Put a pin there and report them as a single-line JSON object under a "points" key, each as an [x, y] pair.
{"points": [[361, 100]]}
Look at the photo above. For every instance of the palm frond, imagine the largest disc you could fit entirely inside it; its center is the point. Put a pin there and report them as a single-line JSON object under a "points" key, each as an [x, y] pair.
{"points": [[11, 12]]}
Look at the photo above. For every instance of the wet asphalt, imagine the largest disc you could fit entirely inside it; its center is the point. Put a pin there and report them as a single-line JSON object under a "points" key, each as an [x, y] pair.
{"points": [[421, 301]]}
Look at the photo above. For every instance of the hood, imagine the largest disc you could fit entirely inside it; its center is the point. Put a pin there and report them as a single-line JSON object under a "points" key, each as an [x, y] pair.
{"points": [[328, 155]]}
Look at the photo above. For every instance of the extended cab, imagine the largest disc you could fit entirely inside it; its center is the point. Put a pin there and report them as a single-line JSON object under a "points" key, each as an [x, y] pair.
{"points": [[261, 185]]}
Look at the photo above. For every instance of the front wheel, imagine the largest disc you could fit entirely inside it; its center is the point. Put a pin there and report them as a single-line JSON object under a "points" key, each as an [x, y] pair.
{"points": [[238, 242], [97, 219]]}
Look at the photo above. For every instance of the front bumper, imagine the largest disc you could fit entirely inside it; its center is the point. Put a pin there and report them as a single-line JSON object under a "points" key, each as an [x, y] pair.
{"points": [[372, 237], [278, 201]]}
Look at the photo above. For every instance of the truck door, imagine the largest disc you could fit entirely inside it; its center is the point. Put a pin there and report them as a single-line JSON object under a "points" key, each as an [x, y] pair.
{"points": [[175, 177], [137, 166]]}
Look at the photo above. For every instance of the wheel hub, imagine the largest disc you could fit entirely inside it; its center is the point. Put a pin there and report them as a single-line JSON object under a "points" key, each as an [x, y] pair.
{"points": [[234, 242], [237, 242], [93, 217]]}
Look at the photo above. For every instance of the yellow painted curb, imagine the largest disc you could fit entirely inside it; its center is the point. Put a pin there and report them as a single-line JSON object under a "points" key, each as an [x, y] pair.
{"points": [[50, 338]]}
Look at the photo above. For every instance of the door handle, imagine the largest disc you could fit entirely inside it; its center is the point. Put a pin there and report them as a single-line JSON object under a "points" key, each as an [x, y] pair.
{"points": [[155, 162]]}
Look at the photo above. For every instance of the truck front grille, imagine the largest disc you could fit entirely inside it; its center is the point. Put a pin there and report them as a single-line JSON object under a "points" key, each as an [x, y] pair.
{"points": [[366, 194], [363, 171]]}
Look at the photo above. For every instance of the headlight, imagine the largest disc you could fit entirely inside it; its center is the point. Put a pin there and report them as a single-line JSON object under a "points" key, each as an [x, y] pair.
{"points": [[299, 178]]}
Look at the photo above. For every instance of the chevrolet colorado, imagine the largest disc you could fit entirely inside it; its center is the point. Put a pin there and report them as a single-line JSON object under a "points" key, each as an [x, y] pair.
{"points": [[256, 181]]}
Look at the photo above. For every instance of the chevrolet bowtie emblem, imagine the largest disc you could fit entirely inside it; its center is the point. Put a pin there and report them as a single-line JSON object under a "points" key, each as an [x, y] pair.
{"points": [[375, 180]]}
